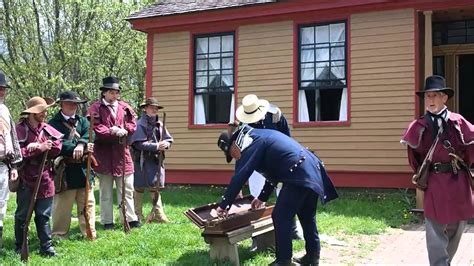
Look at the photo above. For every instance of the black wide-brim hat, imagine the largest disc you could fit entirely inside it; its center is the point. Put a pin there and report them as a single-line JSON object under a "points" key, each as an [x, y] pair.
{"points": [[70, 96], [3, 80], [436, 83], [110, 83]]}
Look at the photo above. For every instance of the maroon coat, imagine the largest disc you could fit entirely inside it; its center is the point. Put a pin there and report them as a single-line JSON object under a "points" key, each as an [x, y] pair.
{"points": [[449, 197], [28, 173], [107, 148]]}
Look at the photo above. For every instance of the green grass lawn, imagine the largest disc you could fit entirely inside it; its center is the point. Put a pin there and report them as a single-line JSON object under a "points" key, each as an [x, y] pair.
{"points": [[180, 242]]}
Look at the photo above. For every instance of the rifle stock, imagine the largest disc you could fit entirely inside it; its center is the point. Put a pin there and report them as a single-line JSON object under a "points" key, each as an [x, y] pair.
{"points": [[156, 192], [24, 246], [87, 217], [420, 179]]}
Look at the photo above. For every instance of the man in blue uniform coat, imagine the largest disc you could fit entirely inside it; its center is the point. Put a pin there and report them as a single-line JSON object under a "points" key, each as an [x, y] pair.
{"points": [[280, 158], [259, 113]]}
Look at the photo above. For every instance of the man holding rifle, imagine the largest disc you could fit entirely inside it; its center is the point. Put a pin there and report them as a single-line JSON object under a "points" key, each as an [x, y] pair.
{"points": [[448, 199], [36, 138], [114, 120], [149, 142], [70, 168]]}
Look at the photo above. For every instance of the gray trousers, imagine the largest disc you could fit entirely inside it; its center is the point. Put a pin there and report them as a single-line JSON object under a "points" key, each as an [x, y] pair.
{"points": [[442, 240]]}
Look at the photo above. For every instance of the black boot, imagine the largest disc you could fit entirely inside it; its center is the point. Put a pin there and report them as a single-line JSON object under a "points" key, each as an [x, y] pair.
{"points": [[19, 225], [281, 263], [109, 226], [308, 259], [134, 224], [44, 234]]}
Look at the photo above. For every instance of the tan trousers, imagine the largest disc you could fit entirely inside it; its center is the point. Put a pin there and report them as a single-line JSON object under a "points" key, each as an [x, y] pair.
{"points": [[159, 217], [62, 207], [106, 184]]}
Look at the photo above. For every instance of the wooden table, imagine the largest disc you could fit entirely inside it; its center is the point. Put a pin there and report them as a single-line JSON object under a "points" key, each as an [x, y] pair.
{"points": [[224, 246]]}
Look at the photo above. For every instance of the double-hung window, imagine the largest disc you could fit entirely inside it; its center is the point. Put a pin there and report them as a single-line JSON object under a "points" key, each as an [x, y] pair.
{"points": [[213, 79], [322, 84]]}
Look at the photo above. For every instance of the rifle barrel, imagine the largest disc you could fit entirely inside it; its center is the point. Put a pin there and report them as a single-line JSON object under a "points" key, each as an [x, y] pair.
{"points": [[24, 246]]}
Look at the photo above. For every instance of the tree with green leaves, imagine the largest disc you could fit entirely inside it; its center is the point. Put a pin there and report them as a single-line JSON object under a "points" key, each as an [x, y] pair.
{"points": [[48, 46]]}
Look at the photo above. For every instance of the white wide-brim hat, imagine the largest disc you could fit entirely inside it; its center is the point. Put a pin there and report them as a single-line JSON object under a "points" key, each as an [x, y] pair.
{"points": [[252, 109]]}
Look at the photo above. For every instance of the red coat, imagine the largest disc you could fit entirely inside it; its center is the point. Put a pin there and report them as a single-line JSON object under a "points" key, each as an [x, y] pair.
{"points": [[449, 197], [108, 151], [32, 160]]}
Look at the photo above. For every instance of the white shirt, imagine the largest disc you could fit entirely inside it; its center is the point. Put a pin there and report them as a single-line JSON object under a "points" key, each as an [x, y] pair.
{"points": [[112, 106]]}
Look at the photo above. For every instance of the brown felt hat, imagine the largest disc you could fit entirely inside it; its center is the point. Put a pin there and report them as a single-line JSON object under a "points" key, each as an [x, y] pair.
{"points": [[151, 101], [37, 105]]}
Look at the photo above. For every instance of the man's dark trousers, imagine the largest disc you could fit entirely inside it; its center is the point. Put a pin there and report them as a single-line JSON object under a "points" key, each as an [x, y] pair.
{"points": [[295, 200]]}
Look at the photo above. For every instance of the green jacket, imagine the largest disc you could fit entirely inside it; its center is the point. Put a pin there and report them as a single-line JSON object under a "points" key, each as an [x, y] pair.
{"points": [[74, 173]]}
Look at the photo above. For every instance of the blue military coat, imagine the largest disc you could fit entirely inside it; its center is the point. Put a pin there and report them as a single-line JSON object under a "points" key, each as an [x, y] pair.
{"points": [[278, 158], [144, 148]]}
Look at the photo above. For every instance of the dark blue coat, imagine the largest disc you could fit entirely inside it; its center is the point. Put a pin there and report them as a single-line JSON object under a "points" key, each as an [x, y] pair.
{"points": [[273, 119], [278, 158]]}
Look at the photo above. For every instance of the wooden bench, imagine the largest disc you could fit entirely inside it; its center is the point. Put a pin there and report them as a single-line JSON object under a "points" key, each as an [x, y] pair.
{"points": [[224, 246]]}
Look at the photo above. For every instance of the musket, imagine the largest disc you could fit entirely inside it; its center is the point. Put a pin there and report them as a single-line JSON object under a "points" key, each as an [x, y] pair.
{"points": [[420, 179], [88, 186], [126, 226], [24, 247], [156, 192]]}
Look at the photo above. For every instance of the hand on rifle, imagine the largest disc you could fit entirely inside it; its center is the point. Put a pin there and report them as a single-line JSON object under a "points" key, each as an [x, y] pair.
{"points": [[13, 174], [114, 130], [163, 145], [122, 132], [78, 151], [32, 146], [46, 146], [90, 147]]}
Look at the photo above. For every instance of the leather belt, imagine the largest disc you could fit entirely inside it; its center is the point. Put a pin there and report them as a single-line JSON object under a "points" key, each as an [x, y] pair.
{"points": [[441, 167]]}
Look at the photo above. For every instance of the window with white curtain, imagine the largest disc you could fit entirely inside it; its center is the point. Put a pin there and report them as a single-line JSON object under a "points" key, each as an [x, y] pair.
{"points": [[322, 84], [214, 79]]}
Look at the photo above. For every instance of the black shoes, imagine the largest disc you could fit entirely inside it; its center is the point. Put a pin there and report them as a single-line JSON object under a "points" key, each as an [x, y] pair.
{"points": [[109, 226], [134, 224], [307, 260], [48, 252]]}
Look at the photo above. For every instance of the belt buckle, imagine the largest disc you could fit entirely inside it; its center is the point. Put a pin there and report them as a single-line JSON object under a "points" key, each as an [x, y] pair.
{"points": [[435, 167]]}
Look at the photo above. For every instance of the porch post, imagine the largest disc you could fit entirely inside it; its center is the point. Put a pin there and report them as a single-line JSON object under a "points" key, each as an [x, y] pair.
{"points": [[428, 44], [428, 72]]}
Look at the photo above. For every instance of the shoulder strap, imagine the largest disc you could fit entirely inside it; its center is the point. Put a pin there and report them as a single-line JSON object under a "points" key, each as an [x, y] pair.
{"points": [[72, 130]]}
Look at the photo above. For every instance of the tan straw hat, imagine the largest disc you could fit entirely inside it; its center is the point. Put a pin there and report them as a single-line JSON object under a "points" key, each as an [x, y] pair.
{"points": [[252, 109], [37, 105]]}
